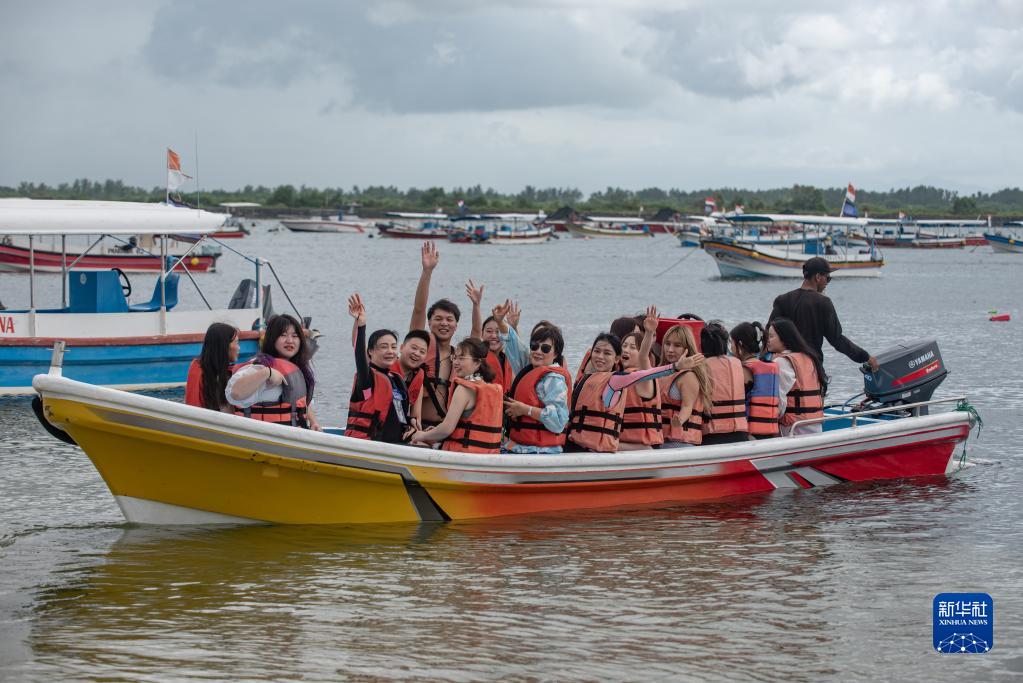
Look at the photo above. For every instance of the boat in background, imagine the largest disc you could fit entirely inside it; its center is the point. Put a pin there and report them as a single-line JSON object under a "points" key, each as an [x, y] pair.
{"points": [[899, 233], [1008, 239], [341, 223], [110, 341], [609, 226], [411, 225], [736, 258]]}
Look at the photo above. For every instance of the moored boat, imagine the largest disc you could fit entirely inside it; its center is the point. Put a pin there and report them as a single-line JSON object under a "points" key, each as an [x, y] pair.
{"points": [[410, 225], [736, 258], [1008, 240], [609, 227], [341, 223], [167, 463], [146, 345]]}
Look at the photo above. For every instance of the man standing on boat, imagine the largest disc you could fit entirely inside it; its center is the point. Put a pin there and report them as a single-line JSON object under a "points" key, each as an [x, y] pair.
{"points": [[814, 314], [441, 320]]}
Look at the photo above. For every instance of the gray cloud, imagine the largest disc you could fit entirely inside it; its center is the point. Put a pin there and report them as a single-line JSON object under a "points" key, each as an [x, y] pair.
{"points": [[455, 58]]}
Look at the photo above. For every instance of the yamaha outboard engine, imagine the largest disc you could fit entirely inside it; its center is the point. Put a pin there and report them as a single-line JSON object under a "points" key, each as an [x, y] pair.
{"points": [[908, 373]]}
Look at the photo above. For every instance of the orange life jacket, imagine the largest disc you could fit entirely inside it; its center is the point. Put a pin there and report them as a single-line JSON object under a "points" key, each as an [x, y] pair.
{"points": [[641, 419], [194, 385], [762, 405], [805, 399], [592, 425], [503, 374], [436, 387], [728, 396], [415, 385], [480, 432], [366, 417], [528, 431], [692, 429], [290, 409]]}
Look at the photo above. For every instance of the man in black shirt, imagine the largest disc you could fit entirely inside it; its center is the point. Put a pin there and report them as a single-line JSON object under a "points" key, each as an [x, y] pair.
{"points": [[814, 315]]}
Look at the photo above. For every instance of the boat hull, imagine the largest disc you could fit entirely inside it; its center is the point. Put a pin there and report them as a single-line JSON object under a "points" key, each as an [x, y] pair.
{"points": [[324, 226], [15, 258], [581, 230], [738, 260], [1005, 244], [170, 463], [132, 363]]}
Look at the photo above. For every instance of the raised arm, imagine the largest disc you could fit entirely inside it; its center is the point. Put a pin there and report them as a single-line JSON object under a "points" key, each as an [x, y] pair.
{"points": [[430, 257], [363, 373], [475, 295], [649, 334]]}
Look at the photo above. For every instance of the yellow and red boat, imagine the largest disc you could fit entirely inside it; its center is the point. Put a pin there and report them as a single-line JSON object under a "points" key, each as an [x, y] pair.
{"points": [[169, 463]]}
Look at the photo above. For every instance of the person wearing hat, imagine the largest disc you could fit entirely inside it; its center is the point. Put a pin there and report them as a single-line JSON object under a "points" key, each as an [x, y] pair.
{"points": [[814, 315]]}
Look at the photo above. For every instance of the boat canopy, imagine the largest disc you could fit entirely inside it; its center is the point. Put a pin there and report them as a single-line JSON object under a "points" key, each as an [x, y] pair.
{"points": [[403, 214], [797, 218], [621, 220], [83, 217], [951, 223]]}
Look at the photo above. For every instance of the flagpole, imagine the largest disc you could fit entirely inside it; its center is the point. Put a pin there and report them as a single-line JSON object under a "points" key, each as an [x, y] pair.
{"points": [[196, 170]]}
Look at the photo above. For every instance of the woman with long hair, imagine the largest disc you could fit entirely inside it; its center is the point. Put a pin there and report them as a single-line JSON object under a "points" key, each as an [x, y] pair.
{"points": [[277, 386], [726, 416], [801, 377], [686, 394], [763, 401], [473, 423], [208, 374], [603, 395]]}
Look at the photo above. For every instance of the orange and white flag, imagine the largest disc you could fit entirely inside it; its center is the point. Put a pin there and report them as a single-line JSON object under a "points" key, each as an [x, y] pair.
{"points": [[175, 178]]}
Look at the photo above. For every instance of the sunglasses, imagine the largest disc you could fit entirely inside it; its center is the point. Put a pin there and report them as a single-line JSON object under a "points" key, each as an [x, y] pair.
{"points": [[546, 348], [827, 278]]}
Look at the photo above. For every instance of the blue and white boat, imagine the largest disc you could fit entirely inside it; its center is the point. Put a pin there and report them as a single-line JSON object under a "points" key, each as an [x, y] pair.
{"points": [[110, 341], [1008, 240]]}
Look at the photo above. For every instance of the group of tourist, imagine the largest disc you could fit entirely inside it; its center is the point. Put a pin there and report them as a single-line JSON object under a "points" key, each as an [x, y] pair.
{"points": [[501, 389]]}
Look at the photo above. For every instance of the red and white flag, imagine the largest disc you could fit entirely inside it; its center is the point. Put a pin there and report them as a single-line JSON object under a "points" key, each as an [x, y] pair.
{"points": [[175, 178]]}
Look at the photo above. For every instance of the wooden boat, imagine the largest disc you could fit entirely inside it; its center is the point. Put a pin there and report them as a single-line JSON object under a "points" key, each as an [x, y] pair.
{"points": [[406, 225], [735, 258], [147, 345], [609, 227], [169, 463], [340, 223], [521, 234], [1006, 241]]}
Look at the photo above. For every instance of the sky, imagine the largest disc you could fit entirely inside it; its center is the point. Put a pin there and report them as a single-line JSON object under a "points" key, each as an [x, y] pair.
{"points": [[569, 93]]}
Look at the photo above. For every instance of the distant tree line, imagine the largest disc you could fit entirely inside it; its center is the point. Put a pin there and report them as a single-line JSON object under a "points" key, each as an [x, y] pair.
{"points": [[920, 201]]}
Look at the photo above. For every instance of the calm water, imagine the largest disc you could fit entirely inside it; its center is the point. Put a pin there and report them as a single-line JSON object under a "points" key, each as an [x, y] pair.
{"points": [[824, 584]]}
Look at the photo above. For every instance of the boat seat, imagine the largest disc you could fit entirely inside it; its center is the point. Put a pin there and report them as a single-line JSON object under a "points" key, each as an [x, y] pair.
{"points": [[95, 292], [154, 303]]}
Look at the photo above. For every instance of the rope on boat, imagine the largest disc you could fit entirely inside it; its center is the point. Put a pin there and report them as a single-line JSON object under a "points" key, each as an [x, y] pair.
{"points": [[966, 407], [284, 291], [693, 251]]}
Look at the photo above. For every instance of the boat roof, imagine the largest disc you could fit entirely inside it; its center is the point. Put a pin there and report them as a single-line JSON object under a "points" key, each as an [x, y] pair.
{"points": [[84, 217], [405, 214], [952, 223], [240, 205], [802, 219], [616, 219]]}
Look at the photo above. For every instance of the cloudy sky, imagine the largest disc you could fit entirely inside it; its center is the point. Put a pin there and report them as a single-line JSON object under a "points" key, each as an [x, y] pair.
{"points": [[582, 93]]}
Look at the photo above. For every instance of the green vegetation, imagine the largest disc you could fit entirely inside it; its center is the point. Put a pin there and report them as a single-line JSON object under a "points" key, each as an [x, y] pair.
{"points": [[921, 201]]}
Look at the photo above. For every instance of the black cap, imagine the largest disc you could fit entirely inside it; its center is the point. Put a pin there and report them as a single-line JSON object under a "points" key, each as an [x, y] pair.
{"points": [[816, 266]]}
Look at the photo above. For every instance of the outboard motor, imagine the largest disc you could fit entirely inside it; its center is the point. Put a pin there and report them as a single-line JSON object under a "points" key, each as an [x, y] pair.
{"points": [[908, 373]]}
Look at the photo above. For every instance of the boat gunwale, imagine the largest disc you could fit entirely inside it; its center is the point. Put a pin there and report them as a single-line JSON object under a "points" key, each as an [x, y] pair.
{"points": [[61, 388]]}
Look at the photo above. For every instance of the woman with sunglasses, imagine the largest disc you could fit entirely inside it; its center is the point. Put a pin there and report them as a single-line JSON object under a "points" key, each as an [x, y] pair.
{"points": [[539, 395], [801, 377]]}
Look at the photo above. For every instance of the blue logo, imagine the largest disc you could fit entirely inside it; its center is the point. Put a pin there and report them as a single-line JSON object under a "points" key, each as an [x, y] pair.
{"points": [[964, 623]]}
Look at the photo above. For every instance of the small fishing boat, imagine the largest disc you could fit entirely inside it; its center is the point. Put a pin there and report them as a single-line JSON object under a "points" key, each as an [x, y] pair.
{"points": [[1008, 240], [898, 233], [521, 234], [607, 226], [111, 341], [410, 225], [341, 223], [736, 258], [169, 463], [508, 228], [233, 228]]}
